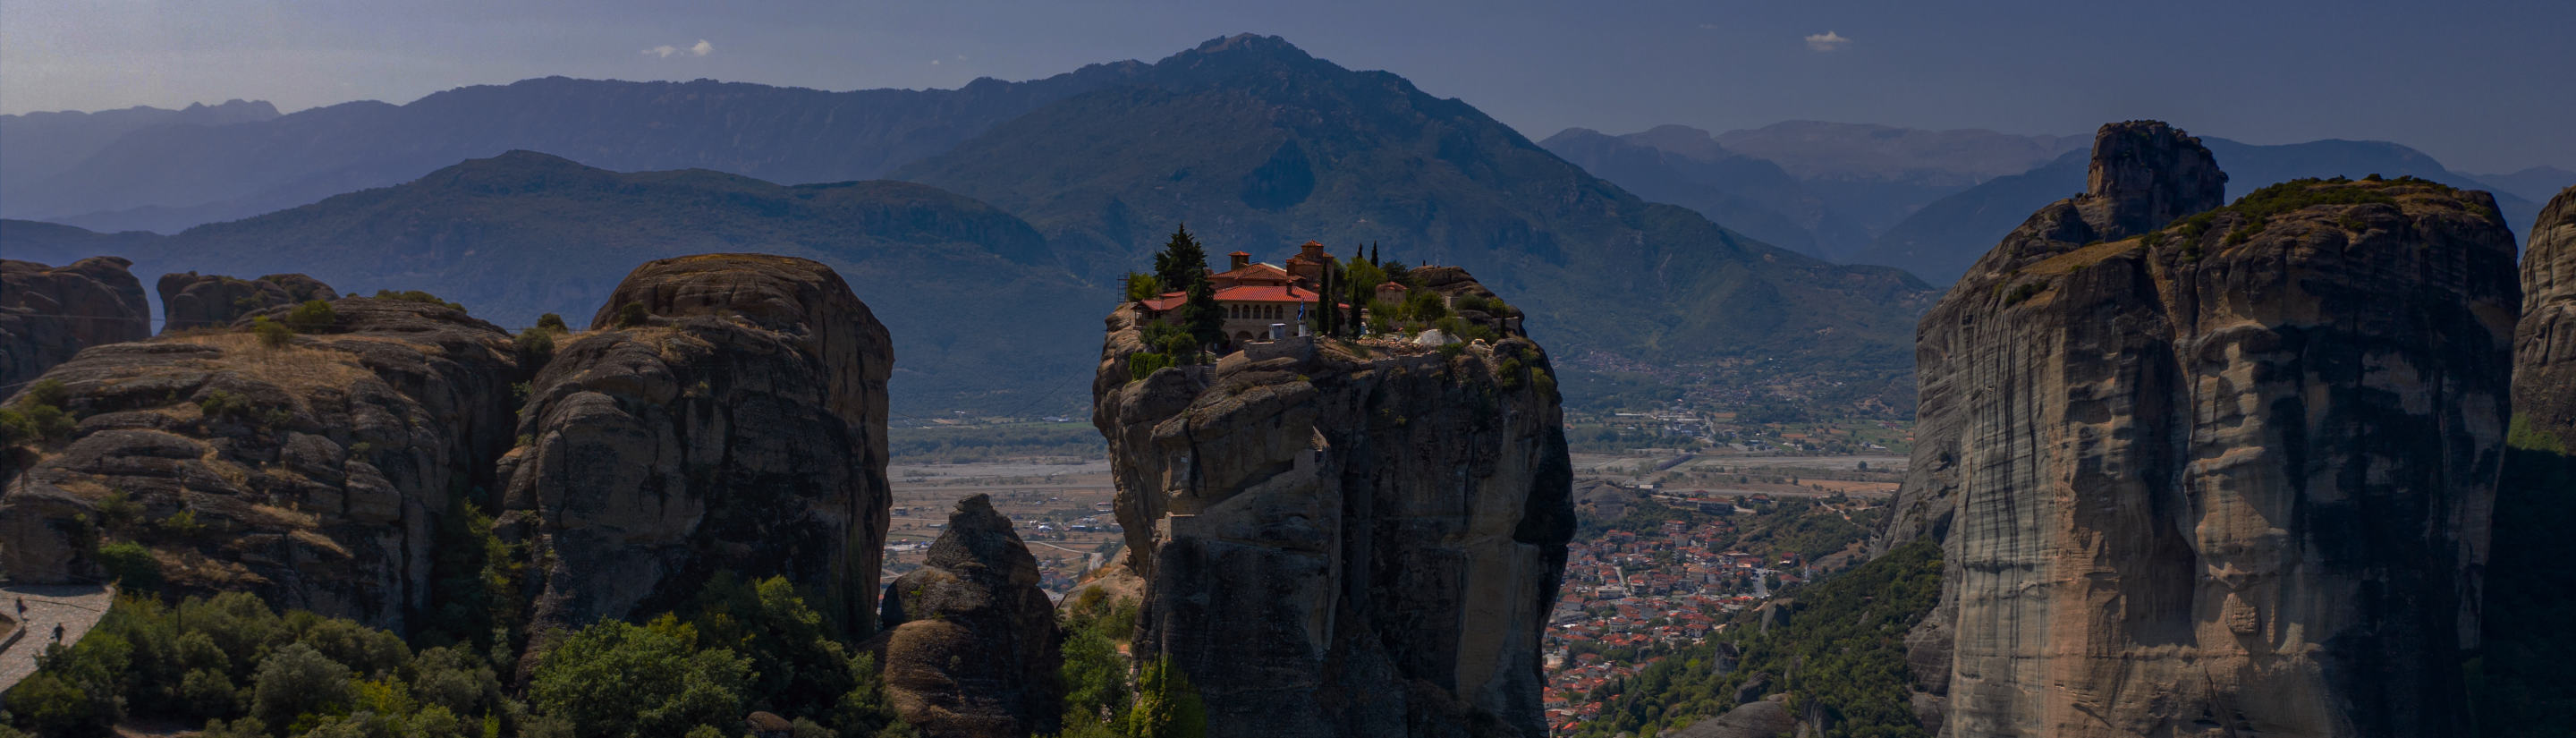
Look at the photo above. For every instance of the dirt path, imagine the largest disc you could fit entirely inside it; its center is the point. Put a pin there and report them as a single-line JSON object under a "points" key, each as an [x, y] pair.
{"points": [[75, 607]]}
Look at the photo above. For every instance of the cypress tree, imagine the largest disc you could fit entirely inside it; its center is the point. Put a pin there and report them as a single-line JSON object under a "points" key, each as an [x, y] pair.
{"points": [[1205, 320], [1325, 317]]}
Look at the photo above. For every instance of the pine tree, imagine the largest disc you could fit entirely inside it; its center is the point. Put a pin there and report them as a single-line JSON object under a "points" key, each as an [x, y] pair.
{"points": [[1181, 260]]}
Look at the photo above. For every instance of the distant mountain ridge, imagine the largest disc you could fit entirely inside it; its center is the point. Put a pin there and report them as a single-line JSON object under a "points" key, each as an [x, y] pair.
{"points": [[524, 233], [1819, 188], [2537, 184], [173, 176], [1685, 166], [42, 144], [1258, 145]]}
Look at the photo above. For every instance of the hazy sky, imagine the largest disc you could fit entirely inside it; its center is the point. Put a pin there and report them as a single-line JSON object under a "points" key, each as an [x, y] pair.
{"points": [[2484, 85]]}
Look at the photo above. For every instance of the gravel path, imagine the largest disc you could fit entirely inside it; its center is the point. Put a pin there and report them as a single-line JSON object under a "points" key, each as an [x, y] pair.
{"points": [[75, 607]]}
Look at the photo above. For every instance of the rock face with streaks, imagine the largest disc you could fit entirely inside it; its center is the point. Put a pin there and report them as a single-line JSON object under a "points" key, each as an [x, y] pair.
{"points": [[725, 412], [1345, 539], [48, 314], [313, 474], [2545, 344], [970, 646], [2227, 475], [192, 300]]}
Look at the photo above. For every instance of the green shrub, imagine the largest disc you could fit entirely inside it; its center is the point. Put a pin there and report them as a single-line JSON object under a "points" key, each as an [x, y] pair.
{"points": [[418, 296], [536, 347], [182, 525], [615, 678], [46, 392], [272, 334], [2024, 292], [1143, 364], [208, 693], [631, 314], [1424, 306], [130, 564], [225, 405], [553, 322], [297, 684], [312, 316], [41, 422], [117, 511], [55, 706], [1166, 705]]}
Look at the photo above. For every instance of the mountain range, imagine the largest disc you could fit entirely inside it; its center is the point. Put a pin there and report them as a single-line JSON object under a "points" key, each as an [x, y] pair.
{"points": [[1939, 241], [518, 235], [1930, 202], [1058, 191], [186, 172]]}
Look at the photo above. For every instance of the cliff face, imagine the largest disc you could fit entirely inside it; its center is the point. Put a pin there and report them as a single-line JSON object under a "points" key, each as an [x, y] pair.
{"points": [[191, 300], [2525, 690], [2544, 353], [970, 647], [1341, 539], [2228, 477], [47, 314], [311, 474], [732, 420]]}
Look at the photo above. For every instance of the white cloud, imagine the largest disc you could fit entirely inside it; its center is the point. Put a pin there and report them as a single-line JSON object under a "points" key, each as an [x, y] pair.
{"points": [[1827, 41], [934, 62], [666, 51]]}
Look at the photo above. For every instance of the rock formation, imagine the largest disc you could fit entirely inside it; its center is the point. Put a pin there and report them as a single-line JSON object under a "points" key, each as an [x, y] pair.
{"points": [[1755, 719], [970, 645], [312, 474], [724, 413], [1345, 539], [2524, 666], [2229, 475], [47, 314], [2544, 353], [191, 300]]}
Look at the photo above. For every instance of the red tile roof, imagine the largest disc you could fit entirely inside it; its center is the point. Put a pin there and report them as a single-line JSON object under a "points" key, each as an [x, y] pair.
{"points": [[1252, 273], [1264, 293], [1247, 293]]}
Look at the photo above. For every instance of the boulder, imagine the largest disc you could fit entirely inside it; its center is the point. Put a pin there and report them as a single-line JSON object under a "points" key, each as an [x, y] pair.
{"points": [[313, 474], [48, 314], [1755, 719], [969, 644], [191, 300], [731, 421]]}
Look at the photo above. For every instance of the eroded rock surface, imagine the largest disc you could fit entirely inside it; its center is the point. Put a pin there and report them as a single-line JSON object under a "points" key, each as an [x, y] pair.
{"points": [[970, 646], [48, 314], [1756, 719], [192, 300], [2545, 343], [731, 422], [2231, 476], [312, 474], [1345, 540]]}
